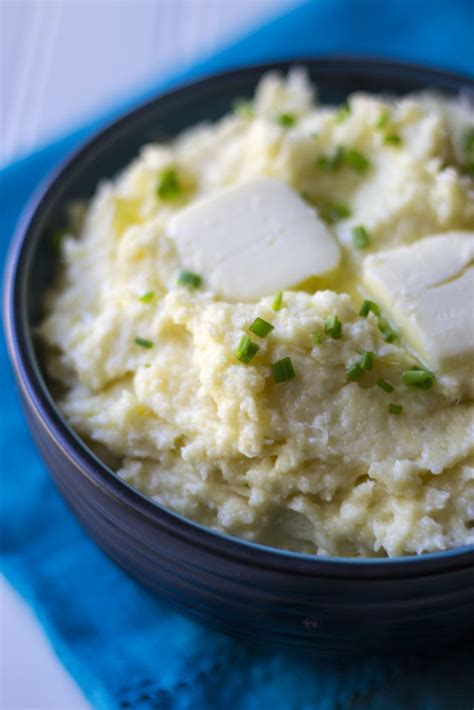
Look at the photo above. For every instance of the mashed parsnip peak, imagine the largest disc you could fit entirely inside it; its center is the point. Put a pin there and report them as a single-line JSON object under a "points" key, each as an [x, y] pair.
{"points": [[264, 324]]}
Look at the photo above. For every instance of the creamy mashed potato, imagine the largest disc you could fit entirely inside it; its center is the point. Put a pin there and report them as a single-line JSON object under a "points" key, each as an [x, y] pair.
{"points": [[321, 463]]}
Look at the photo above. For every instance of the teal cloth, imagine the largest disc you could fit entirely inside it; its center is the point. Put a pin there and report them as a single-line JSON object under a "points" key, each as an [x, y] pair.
{"points": [[125, 648]]}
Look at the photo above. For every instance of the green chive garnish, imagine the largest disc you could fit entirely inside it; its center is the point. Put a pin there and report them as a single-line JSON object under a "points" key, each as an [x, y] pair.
{"points": [[343, 113], [418, 377], [392, 139], [383, 120], [261, 327], [351, 157], [326, 163], [147, 297], [243, 108], [282, 370], [143, 342], [287, 120], [367, 360], [169, 186], [393, 408], [190, 280], [277, 301], [333, 327], [388, 334], [356, 161], [316, 338], [468, 166], [246, 349], [330, 163], [469, 143], [360, 237], [384, 385], [338, 211], [57, 239], [367, 307], [354, 372]]}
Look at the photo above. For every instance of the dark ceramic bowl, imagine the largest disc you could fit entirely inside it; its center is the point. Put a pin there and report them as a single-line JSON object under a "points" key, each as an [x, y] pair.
{"points": [[333, 604]]}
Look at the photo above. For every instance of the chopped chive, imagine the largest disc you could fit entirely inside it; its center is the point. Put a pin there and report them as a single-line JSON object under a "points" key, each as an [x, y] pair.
{"points": [[57, 239], [360, 237], [392, 139], [316, 338], [382, 120], [333, 327], [169, 186], [261, 327], [367, 360], [330, 163], [338, 156], [393, 408], [384, 385], [147, 297], [388, 334], [143, 342], [367, 307], [468, 168], [277, 301], [356, 161], [343, 113], [354, 372], [243, 108], [418, 377], [338, 211], [469, 143], [246, 349], [190, 280], [341, 156], [287, 120], [326, 163], [283, 370]]}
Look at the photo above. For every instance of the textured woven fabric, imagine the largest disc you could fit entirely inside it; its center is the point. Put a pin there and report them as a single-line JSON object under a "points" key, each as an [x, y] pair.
{"points": [[125, 648]]}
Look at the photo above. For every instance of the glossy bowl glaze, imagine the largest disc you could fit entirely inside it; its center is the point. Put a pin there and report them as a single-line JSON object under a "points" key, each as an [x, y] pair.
{"points": [[334, 605]]}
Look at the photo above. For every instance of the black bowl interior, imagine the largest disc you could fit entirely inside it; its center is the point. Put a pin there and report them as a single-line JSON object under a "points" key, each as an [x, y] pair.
{"points": [[34, 262]]}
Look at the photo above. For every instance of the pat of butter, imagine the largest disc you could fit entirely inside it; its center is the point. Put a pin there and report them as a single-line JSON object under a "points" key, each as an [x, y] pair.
{"points": [[428, 288], [253, 240]]}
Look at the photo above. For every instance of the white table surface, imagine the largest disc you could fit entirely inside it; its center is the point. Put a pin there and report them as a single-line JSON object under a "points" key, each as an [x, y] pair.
{"points": [[48, 85]]}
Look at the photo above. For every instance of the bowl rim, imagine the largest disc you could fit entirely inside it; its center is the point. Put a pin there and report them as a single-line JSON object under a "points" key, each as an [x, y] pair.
{"points": [[36, 394]]}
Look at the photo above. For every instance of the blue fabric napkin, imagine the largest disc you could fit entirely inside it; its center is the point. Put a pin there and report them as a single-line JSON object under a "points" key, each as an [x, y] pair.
{"points": [[125, 648]]}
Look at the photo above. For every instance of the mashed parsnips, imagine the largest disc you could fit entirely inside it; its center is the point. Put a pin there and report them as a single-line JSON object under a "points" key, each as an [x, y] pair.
{"points": [[316, 463]]}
